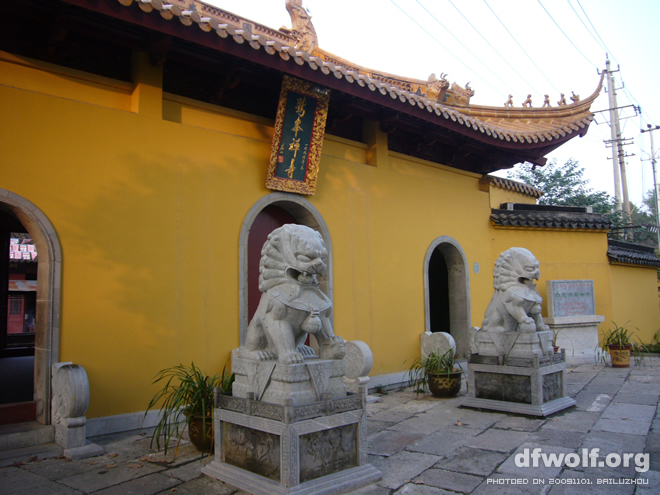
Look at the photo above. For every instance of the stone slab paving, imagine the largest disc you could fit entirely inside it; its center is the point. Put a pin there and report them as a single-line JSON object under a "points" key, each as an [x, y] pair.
{"points": [[423, 446]]}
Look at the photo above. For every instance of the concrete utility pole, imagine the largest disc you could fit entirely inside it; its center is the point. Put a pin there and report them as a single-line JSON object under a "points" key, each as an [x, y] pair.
{"points": [[655, 178], [614, 130], [618, 156]]}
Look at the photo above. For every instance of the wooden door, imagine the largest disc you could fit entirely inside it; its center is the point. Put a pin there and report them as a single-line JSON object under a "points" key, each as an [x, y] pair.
{"points": [[269, 219]]}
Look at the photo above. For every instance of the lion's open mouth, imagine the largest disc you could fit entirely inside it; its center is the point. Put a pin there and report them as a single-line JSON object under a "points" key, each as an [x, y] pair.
{"points": [[303, 278], [526, 281]]}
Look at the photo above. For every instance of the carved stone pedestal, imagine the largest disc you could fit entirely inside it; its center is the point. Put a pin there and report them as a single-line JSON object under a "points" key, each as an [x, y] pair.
{"points": [[534, 386], [276, 383], [315, 448]]}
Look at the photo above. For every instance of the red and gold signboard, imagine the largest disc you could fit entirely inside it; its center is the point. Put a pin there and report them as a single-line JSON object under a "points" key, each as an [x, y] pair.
{"points": [[295, 154]]}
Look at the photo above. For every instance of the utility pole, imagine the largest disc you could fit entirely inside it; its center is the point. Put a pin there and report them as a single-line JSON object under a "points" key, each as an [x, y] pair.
{"points": [[614, 130], [655, 179], [618, 155]]}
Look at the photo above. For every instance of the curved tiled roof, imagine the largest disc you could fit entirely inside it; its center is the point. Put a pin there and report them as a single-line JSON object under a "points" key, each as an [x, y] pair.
{"points": [[543, 219], [631, 254], [513, 185], [517, 125]]}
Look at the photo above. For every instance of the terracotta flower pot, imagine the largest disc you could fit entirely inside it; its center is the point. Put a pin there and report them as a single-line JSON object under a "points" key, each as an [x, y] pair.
{"points": [[620, 355], [200, 439], [445, 384]]}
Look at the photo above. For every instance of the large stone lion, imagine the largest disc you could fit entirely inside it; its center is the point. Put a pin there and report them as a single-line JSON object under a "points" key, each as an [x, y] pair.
{"points": [[292, 305], [516, 304]]}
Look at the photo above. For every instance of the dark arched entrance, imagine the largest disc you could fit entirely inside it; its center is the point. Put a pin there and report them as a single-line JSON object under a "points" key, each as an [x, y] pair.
{"points": [[439, 293], [447, 289]]}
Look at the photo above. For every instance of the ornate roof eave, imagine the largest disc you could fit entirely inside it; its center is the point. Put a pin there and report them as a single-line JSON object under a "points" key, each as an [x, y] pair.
{"points": [[531, 113], [219, 30]]}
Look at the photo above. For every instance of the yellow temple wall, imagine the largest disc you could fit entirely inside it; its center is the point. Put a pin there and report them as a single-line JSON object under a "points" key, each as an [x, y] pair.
{"points": [[148, 193], [561, 259], [635, 300], [148, 196]]}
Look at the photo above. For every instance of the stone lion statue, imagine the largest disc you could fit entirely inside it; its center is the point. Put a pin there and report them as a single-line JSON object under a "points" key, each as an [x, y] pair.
{"points": [[292, 305], [516, 304]]}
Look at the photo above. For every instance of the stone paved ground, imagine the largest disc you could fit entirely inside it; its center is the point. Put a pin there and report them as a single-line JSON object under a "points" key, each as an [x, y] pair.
{"points": [[423, 446]]}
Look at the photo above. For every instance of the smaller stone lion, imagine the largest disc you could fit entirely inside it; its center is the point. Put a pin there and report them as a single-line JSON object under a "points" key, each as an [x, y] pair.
{"points": [[292, 305], [516, 304]]}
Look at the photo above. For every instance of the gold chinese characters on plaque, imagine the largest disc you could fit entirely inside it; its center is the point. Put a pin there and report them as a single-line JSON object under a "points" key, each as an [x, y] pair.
{"points": [[295, 154]]}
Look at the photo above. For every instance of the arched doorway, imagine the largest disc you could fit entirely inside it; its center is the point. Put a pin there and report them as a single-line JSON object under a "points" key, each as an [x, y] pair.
{"points": [[446, 287], [18, 290], [271, 212], [46, 325]]}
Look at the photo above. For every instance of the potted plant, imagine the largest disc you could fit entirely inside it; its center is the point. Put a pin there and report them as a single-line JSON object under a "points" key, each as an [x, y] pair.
{"points": [[187, 397], [621, 343], [440, 373], [555, 334]]}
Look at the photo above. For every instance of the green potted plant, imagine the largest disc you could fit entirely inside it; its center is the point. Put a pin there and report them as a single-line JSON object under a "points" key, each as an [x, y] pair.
{"points": [[440, 373], [187, 397], [620, 342]]}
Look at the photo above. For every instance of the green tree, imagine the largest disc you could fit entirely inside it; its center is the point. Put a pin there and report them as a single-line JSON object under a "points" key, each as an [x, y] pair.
{"points": [[563, 185]]}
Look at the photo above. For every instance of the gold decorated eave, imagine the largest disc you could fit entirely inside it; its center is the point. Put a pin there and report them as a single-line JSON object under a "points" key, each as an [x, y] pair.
{"points": [[501, 137]]}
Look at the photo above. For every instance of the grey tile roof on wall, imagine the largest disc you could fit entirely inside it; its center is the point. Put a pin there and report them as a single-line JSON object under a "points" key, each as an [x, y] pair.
{"points": [[513, 185], [631, 254], [540, 219]]}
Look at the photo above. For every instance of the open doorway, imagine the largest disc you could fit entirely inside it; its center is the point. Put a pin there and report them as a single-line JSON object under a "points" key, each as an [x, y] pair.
{"points": [[446, 283], [18, 291], [29, 309]]}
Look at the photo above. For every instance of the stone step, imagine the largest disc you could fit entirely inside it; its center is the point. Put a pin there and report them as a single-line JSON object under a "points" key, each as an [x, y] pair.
{"points": [[22, 435], [29, 454]]}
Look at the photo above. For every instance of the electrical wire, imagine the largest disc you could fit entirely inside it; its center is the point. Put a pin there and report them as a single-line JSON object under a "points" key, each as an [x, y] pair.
{"points": [[443, 46], [567, 37], [521, 47], [493, 48], [595, 30], [462, 44], [585, 27]]}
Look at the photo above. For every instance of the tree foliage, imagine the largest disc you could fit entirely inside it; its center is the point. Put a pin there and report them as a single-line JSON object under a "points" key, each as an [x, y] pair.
{"points": [[563, 185]]}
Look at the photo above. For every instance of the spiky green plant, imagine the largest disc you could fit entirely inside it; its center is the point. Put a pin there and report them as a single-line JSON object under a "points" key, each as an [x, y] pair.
{"points": [[187, 392], [434, 364], [622, 336]]}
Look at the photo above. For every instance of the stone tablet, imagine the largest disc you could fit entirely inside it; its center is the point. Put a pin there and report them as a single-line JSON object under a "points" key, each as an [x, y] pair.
{"points": [[571, 298], [438, 342]]}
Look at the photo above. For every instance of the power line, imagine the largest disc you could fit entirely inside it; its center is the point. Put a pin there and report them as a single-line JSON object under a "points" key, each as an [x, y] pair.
{"points": [[520, 46], [492, 47], [569, 39], [596, 31], [585, 26], [443, 46], [462, 44]]}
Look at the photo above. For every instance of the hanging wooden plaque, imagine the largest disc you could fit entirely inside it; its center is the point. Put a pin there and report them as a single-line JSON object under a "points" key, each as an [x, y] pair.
{"points": [[295, 154]]}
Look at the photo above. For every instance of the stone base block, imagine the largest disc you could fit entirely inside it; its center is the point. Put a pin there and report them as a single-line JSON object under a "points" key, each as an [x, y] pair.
{"points": [[343, 482], [89, 450], [317, 448], [578, 335], [545, 409], [514, 344], [276, 383], [523, 386]]}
